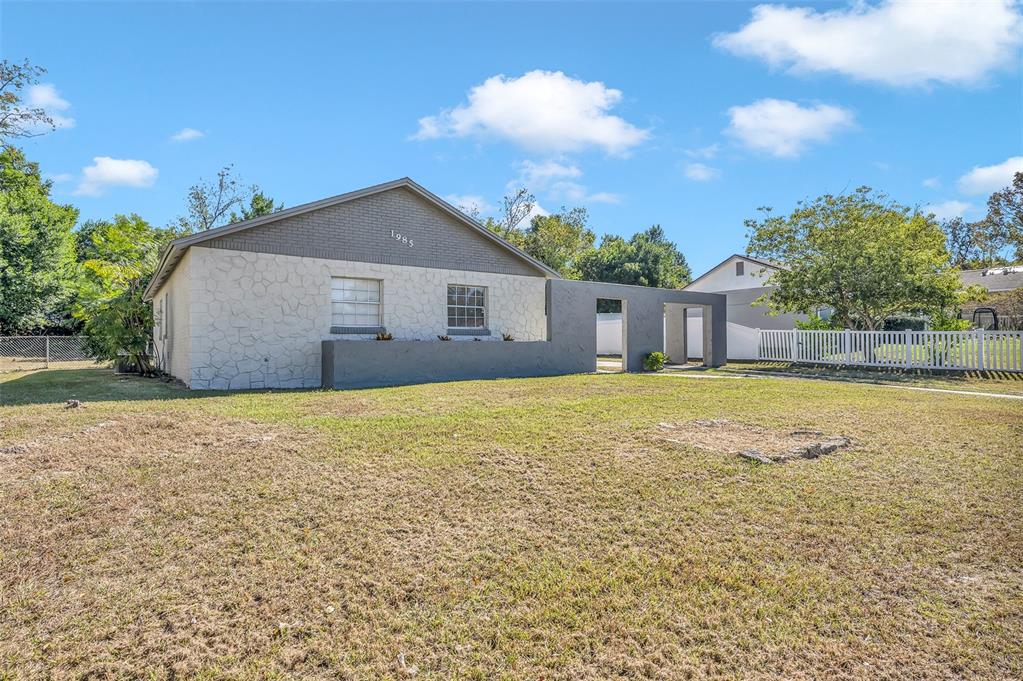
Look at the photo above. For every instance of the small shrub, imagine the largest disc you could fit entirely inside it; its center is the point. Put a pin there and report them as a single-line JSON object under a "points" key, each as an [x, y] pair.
{"points": [[444, 338], [383, 335], [507, 337], [477, 339], [654, 361]]}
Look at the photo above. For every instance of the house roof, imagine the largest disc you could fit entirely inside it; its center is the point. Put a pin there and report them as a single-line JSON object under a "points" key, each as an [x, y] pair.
{"points": [[766, 263], [176, 249], [995, 278]]}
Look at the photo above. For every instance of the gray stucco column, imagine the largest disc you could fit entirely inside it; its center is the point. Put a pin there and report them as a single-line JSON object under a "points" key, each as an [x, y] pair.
{"points": [[675, 332], [715, 334]]}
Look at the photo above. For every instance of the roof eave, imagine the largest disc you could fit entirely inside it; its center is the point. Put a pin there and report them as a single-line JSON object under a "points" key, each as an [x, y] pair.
{"points": [[180, 244]]}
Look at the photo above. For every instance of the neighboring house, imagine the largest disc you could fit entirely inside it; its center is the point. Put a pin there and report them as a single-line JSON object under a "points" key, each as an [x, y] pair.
{"points": [[742, 279], [999, 282], [287, 299]]}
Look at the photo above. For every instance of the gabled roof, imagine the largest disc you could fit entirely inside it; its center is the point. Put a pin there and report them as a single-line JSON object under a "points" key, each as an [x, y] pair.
{"points": [[995, 278], [175, 250], [765, 263]]}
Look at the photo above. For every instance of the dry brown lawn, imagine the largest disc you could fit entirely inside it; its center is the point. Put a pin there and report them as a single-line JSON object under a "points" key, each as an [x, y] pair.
{"points": [[539, 528]]}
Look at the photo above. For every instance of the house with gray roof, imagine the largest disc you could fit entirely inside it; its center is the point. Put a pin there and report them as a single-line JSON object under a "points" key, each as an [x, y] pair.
{"points": [[300, 297], [998, 282]]}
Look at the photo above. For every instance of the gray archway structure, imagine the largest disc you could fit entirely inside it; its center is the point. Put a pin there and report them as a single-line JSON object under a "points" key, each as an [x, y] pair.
{"points": [[645, 311]]}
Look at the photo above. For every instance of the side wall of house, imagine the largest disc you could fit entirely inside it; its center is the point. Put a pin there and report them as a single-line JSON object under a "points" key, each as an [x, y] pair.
{"points": [[258, 319], [172, 329], [723, 277]]}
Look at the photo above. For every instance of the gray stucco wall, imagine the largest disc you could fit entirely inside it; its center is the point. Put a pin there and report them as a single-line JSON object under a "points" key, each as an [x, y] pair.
{"points": [[571, 346], [742, 311], [360, 230]]}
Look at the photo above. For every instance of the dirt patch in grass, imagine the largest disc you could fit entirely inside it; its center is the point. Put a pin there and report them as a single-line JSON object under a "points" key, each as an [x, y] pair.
{"points": [[753, 442]]}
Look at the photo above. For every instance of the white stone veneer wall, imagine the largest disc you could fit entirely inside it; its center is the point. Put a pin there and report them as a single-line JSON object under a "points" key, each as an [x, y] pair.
{"points": [[257, 319]]}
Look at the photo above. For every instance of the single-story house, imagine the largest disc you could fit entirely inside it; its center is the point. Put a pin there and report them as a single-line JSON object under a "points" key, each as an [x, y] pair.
{"points": [[298, 298], [999, 282], [742, 280]]}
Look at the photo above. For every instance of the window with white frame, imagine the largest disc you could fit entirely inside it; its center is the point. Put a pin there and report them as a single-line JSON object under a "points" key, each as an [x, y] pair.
{"points": [[355, 302], [467, 307]]}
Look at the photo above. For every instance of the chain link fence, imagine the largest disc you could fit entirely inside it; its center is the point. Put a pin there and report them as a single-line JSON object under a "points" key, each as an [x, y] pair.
{"points": [[25, 353]]}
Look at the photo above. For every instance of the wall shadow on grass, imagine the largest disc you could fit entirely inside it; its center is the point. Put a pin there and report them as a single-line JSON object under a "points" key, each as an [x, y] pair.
{"points": [[49, 386]]}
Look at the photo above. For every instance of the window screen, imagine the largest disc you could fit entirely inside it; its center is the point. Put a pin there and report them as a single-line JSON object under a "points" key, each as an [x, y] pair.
{"points": [[355, 302], [467, 307], [740, 266]]}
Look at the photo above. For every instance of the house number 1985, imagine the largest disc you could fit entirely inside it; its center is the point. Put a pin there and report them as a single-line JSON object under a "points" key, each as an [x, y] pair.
{"points": [[398, 236]]}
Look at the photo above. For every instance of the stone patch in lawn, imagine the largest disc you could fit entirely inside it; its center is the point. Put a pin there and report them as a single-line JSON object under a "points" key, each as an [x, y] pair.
{"points": [[751, 442]]}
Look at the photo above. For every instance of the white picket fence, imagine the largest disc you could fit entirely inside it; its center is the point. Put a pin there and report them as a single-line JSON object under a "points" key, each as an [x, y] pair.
{"points": [[964, 350]]}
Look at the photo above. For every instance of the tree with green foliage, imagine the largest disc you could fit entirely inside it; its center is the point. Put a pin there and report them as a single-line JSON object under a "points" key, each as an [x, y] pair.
{"points": [[16, 119], [646, 259], [559, 240], [215, 203], [1005, 216], [862, 255], [116, 321], [961, 242], [259, 205], [515, 207], [36, 247]]}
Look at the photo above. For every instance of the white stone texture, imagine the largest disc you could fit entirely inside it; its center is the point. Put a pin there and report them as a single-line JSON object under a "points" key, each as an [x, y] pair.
{"points": [[257, 319]]}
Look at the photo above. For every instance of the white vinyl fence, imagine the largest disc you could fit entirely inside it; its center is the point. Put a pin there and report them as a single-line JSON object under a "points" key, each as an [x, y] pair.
{"points": [[20, 353], [977, 350]]}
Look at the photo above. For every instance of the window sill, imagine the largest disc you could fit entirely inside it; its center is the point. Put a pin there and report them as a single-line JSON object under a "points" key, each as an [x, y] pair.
{"points": [[363, 330], [468, 332]]}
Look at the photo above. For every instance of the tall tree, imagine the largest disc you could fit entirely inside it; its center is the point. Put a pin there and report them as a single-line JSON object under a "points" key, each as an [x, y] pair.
{"points": [[515, 207], [36, 247], [862, 255], [116, 321], [559, 240], [211, 203], [16, 119], [259, 205], [646, 259], [961, 242], [1005, 215], [218, 202]]}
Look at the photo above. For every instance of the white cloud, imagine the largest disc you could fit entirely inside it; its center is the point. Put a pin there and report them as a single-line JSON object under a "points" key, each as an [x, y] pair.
{"points": [[543, 111], [701, 173], [45, 96], [988, 179], [783, 128], [894, 42], [539, 176], [707, 152], [931, 183], [466, 202], [111, 172], [947, 209], [573, 192], [556, 179], [186, 134]]}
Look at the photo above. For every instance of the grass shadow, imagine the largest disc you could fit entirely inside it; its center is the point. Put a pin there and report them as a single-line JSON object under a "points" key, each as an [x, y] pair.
{"points": [[97, 384]]}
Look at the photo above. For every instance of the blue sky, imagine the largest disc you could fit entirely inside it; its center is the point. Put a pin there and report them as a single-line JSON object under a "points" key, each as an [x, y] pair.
{"points": [[690, 115]]}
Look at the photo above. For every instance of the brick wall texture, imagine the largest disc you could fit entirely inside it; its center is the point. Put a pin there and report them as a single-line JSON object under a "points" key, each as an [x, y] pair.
{"points": [[361, 230]]}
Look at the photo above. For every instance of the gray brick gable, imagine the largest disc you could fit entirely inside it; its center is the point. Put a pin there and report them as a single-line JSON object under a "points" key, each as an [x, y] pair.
{"points": [[360, 230]]}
